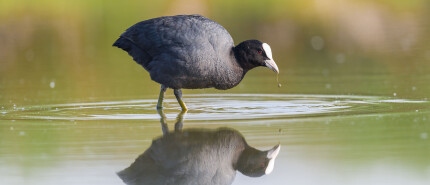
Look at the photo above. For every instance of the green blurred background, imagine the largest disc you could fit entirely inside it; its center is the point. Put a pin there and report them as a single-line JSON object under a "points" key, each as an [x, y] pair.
{"points": [[60, 51]]}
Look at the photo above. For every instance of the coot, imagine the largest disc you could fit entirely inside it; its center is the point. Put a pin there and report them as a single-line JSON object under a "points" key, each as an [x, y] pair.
{"points": [[198, 156], [192, 52]]}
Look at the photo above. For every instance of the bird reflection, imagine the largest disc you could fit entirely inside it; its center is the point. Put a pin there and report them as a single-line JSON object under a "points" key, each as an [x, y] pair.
{"points": [[197, 156]]}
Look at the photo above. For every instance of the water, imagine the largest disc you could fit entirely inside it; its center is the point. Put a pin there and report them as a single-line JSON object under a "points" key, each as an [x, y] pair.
{"points": [[353, 107], [220, 107], [363, 139]]}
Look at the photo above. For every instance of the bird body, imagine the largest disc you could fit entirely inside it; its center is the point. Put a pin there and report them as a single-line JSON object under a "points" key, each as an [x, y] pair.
{"points": [[192, 52], [185, 158], [198, 156], [182, 51]]}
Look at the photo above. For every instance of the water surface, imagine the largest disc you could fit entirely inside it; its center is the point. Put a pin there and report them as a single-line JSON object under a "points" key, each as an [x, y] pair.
{"points": [[363, 139], [353, 107]]}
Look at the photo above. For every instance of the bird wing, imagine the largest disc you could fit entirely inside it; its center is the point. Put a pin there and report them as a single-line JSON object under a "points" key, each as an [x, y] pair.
{"points": [[186, 37]]}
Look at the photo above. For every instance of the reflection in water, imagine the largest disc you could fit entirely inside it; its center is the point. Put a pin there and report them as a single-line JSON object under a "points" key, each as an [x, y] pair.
{"points": [[198, 156]]}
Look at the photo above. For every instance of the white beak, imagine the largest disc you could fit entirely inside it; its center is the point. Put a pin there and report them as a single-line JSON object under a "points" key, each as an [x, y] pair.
{"points": [[272, 65], [272, 154]]}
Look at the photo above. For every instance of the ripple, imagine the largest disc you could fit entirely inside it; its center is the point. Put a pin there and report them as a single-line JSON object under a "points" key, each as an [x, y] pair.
{"points": [[221, 107]]}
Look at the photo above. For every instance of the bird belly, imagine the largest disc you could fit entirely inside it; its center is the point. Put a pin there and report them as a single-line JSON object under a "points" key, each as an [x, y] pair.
{"points": [[197, 72], [182, 81], [193, 82]]}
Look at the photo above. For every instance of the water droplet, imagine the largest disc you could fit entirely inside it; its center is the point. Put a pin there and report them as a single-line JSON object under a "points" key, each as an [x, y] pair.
{"points": [[423, 135], [22, 133], [325, 72], [340, 58], [277, 80], [414, 88], [52, 84], [317, 43], [394, 94], [327, 86], [11, 128]]}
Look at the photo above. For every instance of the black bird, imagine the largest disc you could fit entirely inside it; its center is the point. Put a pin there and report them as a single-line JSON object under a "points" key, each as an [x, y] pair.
{"points": [[192, 52], [198, 156]]}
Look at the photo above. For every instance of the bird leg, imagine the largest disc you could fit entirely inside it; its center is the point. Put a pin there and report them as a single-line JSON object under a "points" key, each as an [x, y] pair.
{"points": [[164, 126], [161, 97], [180, 121], [178, 94]]}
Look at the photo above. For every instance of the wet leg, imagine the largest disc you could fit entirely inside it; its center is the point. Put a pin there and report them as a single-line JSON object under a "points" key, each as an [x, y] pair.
{"points": [[178, 94], [164, 127], [180, 121], [161, 97]]}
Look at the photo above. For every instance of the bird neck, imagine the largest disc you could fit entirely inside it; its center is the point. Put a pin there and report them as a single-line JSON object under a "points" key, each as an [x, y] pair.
{"points": [[246, 160], [239, 154], [241, 55]]}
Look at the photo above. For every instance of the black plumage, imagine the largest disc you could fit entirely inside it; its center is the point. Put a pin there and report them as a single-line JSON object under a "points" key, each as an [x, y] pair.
{"points": [[192, 52], [198, 156]]}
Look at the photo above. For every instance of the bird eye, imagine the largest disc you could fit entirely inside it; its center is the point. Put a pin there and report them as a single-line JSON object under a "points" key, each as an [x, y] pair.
{"points": [[262, 165], [260, 52]]}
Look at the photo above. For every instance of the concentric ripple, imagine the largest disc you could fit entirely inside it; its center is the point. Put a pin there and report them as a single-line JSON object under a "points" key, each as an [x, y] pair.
{"points": [[221, 107]]}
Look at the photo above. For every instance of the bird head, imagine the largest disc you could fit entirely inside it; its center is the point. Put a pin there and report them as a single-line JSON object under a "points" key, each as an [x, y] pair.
{"points": [[254, 53], [255, 163]]}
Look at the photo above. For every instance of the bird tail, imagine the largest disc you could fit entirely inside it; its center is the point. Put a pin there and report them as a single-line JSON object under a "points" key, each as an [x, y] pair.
{"points": [[125, 175], [139, 55], [135, 174]]}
